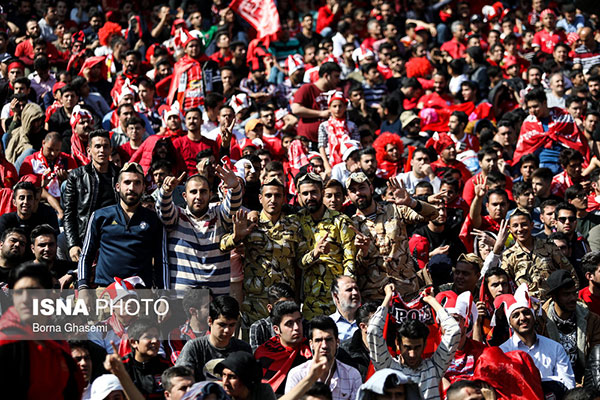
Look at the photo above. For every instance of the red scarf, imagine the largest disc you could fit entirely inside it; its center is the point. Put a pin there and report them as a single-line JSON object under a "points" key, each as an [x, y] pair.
{"points": [[561, 129], [181, 67], [78, 151], [277, 359], [337, 135]]}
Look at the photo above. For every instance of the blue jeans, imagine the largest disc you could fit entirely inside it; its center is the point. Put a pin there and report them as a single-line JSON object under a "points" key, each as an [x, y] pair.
{"points": [[22, 157]]}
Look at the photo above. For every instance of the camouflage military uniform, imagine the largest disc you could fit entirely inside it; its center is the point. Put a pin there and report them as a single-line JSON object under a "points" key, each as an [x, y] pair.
{"points": [[270, 257], [319, 274], [533, 268], [388, 259]]}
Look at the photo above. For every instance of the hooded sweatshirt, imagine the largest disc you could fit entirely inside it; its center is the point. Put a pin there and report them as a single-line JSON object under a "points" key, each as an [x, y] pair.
{"points": [[376, 385], [20, 139]]}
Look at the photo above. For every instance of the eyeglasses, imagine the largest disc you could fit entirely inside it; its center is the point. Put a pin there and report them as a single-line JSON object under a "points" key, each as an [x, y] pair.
{"points": [[565, 219]]}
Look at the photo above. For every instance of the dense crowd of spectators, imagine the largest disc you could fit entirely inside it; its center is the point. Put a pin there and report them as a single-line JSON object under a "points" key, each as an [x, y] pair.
{"points": [[384, 200]]}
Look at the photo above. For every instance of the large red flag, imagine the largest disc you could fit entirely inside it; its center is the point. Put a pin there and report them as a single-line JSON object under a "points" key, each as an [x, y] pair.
{"points": [[261, 14]]}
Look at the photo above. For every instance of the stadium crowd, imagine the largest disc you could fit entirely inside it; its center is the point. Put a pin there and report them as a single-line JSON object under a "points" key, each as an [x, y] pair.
{"points": [[383, 200]]}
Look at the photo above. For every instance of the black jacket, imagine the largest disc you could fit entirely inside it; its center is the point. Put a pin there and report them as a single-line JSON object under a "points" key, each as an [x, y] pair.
{"points": [[354, 353], [146, 376], [79, 201]]}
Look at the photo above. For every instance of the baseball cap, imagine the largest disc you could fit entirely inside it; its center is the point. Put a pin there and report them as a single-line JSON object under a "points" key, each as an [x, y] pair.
{"points": [[104, 385], [358, 177], [132, 167]]}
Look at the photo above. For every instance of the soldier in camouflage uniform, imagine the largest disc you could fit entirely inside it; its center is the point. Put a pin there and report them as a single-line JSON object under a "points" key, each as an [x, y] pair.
{"points": [[330, 239], [531, 260], [383, 255], [271, 247]]}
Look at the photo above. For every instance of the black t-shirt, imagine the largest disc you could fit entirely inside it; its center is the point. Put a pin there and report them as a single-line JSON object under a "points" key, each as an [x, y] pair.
{"points": [[106, 191], [447, 237], [4, 274], [314, 40]]}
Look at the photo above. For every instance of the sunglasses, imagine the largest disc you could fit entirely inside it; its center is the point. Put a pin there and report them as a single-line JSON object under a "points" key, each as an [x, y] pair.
{"points": [[565, 219]]}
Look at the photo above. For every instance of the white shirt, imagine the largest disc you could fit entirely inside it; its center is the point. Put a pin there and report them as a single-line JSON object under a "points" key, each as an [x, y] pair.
{"points": [[344, 383], [340, 173], [548, 356]]}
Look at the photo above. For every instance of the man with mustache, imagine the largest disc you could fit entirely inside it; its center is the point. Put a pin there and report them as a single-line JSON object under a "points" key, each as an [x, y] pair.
{"points": [[330, 236], [382, 240], [126, 232]]}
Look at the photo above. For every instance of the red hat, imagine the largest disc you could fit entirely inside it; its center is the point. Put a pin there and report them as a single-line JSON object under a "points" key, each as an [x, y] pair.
{"points": [[461, 304], [442, 143], [121, 288], [546, 12], [15, 64], [509, 61], [512, 303], [57, 86], [91, 62], [336, 95], [419, 248], [78, 114]]}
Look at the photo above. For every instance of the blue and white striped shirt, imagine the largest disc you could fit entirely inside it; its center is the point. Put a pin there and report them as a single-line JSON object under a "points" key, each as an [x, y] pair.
{"points": [[193, 243]]}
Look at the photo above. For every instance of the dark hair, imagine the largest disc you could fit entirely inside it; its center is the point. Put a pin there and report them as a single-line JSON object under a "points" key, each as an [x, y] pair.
{"points": [[565, 206], [368, 151], [134, 53], [138, 327], [24, 81], [37, 271], [530, 157], [494, 271], [364, 312], [424, 184], [206, 153], [10, 231], [149, 83], [484, 151], [278, 291], [537, 94], [274, 166], [41, 63], [572, 99], [103, 133], [322, 323], [282, 309], [595, 175], [192, 299], [28, 186], [499, 192], [365, 68], [334, 183], [496, 177], [572, 191], [329, 68], [520, 187], [213, 99], [413, 329], [134, 120], [548, 203], [463, 118], [543, 173], [122, 106], [319, 390], [581, 393], [559, 236], [590, 262], [176, 371], [226, 306], [567, 155], [42, 230], [457, 386]]}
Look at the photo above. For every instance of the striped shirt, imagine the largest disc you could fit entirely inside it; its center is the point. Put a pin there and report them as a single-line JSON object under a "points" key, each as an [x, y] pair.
{"points": [[431, 370], [586, 57], [193, 242]]}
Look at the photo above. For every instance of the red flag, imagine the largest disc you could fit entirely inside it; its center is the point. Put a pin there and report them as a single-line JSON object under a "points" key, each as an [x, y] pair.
{"points": [[261, 14]]}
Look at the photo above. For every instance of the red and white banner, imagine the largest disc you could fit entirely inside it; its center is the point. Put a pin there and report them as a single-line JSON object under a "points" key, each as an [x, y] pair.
{"points": [[261, 14]]}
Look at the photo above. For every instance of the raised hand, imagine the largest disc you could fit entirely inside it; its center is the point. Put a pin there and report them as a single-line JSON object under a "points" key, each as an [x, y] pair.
{"points": [[227, 131], [227, 176], [401, 196], [480, 187], [322, 246], [361, 241], [242, 226], [170, 183], [501, 238], [437, 198]]}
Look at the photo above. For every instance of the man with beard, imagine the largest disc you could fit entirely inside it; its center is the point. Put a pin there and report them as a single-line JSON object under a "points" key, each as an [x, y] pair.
{"points": [[347, 300], [194, 142], [126, 232], [131, 71], [331, 243], [382, 240], [24, 50], [195, 232], [44, 245], [368, 165], [440, 237], [270, 135], [271, 247], [12, 248]]}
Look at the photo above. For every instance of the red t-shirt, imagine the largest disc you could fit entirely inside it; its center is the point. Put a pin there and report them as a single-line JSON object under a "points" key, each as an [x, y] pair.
{"points": [[310, 96], [273, 144], [455, 48], [187, 150], [592, 301], [546, 40], [125, 151], [434, 100]]}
